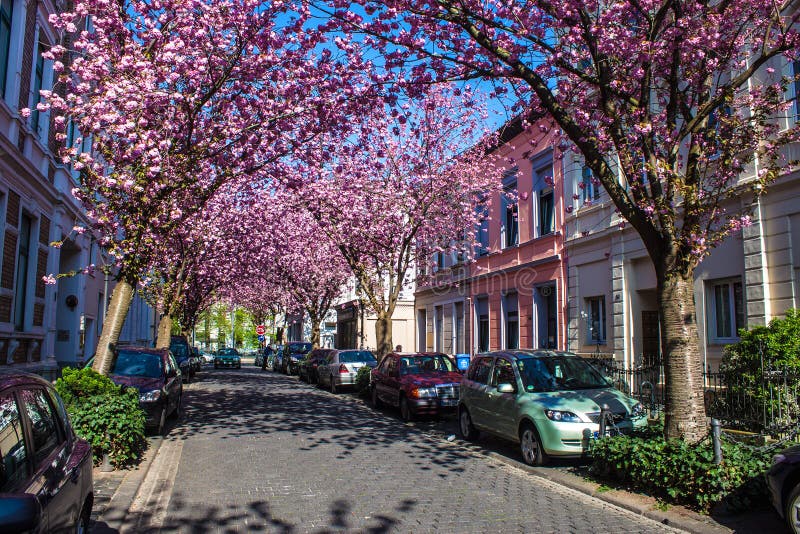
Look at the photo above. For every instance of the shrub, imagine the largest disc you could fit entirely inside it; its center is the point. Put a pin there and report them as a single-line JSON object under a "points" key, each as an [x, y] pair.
{"points": [[781, 347], [107, 416], [362, 380], [75, 385], [680, 473]]}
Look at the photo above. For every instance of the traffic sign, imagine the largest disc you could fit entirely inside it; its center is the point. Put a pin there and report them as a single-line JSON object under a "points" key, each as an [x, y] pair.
{"points": [[261, 330], [261, 338]]}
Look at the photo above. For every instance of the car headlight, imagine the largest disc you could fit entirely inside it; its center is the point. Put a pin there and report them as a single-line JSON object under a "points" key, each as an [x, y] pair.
{"points": [[638, 411], [423, 393], [150, 396], [562, 416]]}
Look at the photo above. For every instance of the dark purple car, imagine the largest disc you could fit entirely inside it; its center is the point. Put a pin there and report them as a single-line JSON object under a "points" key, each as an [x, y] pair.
{"points": [[156, 375], [425, 383], [45, 469]]}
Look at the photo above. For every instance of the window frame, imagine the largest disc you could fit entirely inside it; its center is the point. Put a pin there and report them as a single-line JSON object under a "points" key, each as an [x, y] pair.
{"points": [[544, 194], [21, 281], [733, 313], [590, 192], [510, 210], [603, 326]]}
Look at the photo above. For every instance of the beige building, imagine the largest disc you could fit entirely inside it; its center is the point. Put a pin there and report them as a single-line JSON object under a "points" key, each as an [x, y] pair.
{"points": [[749, 279]]}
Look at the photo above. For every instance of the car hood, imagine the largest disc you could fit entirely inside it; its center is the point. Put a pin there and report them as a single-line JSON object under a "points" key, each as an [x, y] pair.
{"points": [[142, 383], [585, 400], [426, 380]]}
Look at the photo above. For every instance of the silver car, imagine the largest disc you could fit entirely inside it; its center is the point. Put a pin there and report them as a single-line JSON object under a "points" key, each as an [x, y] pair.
{"points": [[341, 367]]}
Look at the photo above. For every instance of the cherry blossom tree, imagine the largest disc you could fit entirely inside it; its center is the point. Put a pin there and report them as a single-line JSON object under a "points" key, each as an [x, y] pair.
{"points": [[177, 98], [398, 189], [677, 106]]}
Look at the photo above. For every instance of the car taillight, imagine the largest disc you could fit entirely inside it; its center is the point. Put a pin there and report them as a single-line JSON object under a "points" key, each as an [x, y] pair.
{"points": [[343, 368]]}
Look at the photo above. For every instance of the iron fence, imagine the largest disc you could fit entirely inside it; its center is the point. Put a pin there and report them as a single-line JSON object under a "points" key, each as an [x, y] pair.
{"points": [[765, 402]]}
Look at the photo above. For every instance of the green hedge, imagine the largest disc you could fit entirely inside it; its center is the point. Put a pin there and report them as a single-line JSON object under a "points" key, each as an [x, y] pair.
{"points": [[679, 473], [107, 416], [362, 380]]}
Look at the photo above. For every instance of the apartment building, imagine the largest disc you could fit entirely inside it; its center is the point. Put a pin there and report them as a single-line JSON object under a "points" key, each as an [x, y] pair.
{"points": [[43, 326], [513, 295]]}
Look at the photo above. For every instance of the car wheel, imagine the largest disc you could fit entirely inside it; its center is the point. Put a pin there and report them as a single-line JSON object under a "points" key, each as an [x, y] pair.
{"points": [[82, 526], [188, 378], [792, 512], [178, 407], [333, 386], [465, 426], [405, 410], [376, 400], [530, 446]]}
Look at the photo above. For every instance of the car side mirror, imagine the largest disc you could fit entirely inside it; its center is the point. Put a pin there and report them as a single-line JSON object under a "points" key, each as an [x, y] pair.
{"points": [[506, 388], [20, 512]]}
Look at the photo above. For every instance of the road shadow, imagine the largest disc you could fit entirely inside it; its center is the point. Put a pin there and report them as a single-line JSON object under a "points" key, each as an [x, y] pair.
{"points": [[251, 402]]}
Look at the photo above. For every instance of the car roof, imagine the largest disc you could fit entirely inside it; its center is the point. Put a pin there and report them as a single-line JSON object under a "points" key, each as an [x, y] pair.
{"points": [[136, 348], [11, 378]]}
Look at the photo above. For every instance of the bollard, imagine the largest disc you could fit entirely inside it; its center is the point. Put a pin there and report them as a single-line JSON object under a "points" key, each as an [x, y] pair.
{"points": [[716, 433], [604, 411], [106, 466]]}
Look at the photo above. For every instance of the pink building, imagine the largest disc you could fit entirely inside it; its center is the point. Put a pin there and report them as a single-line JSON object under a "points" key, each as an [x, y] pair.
{"points": [[513, 295]]}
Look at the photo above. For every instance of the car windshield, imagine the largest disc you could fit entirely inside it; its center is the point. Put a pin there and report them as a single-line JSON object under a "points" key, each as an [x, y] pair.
{"points": [[142, 364], [179, 350], [299, 348], [559, 373], [228, 352], [353, 356], [436, 363]]}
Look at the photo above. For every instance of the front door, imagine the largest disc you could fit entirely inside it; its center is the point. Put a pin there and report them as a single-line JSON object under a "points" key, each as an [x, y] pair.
{"points": [[501, 407], [650, 338]]}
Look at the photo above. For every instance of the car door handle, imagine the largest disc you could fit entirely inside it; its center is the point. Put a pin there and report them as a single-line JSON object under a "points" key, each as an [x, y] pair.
{"points": [[75, 475]]}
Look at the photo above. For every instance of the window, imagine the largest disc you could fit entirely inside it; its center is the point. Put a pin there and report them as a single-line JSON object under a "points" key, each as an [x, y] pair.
{"points": [[38, 79], [512, 321], [438, 326], [482, 315], [591, 191], [546, 212], [458, 328], [12, 444], [796, 72], [6, 14], [510, 211], [21, 294], [43, 423], [726, 315], [480, 370], [596, 316], [503, 373]]}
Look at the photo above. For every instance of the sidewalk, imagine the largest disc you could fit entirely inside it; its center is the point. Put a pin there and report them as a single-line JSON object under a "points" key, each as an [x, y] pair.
{"points": [[115, 491]]}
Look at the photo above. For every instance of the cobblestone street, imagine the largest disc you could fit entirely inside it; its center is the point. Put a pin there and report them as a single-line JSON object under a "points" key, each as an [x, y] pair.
{"points": [[262, 451]]}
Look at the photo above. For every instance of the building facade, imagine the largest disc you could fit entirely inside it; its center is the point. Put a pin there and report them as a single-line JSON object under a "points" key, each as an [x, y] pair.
{"points": [[41, 326], [513, 295]]}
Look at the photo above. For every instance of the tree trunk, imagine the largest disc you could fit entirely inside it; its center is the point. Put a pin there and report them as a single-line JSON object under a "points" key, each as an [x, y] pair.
{"points": [[383, 335], [121, 298], [685, 415], [315, 332], [164, 331]]}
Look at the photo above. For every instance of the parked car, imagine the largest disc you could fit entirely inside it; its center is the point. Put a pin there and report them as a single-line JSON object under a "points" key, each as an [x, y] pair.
{"points": [[293, 352], [155, 373], [208, 357], [277, 360], [179, 347], [419, 384], [549, 402], [228, 358], [340, 368], [783, 480], [196, 360], [307, 369], [46, 470]]}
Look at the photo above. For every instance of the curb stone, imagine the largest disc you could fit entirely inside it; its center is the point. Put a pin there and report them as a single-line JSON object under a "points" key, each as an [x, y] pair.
{"points": [[112, 517]]}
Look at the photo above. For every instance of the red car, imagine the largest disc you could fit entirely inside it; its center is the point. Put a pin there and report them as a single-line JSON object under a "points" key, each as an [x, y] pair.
{"points": [[419, 384]]}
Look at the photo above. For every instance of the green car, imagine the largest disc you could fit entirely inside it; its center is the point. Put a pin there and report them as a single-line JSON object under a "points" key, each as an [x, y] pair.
{"points": [[227, 358], [548, 402]]}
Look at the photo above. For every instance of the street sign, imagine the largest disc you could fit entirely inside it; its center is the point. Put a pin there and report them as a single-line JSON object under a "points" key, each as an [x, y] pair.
{"points": [[261, 338], [261, 330]]}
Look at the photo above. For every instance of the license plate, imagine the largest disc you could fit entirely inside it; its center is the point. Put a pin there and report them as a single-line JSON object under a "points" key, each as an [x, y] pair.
{"points": [[449, 402]]}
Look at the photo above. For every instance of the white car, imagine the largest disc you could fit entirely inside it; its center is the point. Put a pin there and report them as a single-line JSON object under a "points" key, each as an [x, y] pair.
{"points": [[208, 357]]}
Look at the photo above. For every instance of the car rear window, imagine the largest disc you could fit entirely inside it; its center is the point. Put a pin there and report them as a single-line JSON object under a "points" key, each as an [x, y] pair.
{"points": [[299, 348], [356, 356]]}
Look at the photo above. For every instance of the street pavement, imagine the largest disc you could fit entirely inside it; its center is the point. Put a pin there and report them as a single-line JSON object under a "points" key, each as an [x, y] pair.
{"points": [[259, 451]]}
